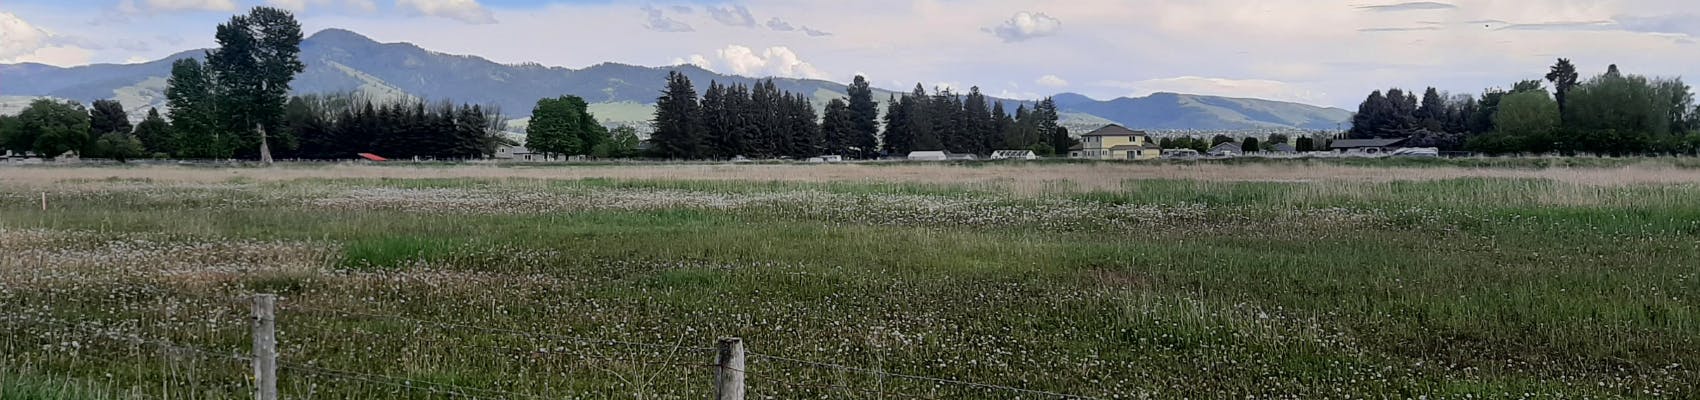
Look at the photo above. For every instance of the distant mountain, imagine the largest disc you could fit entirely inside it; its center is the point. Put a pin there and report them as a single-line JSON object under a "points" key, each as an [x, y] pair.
{"points": [[339, 60], [1186, 111]]}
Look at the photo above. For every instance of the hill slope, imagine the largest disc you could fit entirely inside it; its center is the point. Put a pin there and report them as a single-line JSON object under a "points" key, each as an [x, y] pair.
{"points": [[339, 60]]}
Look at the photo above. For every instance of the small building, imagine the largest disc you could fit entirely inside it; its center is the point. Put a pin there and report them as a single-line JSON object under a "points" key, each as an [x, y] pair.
{"points": [[1283, 148], [1367, 146], [928, 156], [1226, 149], [1115, 142], [1014, 155], [960, 157], [1181, 154]]}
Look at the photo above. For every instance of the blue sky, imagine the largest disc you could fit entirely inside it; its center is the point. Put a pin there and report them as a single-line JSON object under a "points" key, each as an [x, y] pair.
{"points": [[1326, 52]]}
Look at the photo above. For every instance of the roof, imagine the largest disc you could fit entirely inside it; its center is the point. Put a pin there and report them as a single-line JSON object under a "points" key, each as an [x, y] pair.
{"points": [[1284, 148], [1114, 130], [1360, 143], [1126, 147], [940, 154], [1228, 146], [370, 156], [1014, 152], [1077, 146]]}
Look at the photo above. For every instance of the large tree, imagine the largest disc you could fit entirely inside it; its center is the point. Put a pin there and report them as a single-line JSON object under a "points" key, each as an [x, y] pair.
{"points": [[898, 138], [155, 134], [1525, 121], [864, 115], [53, 128], [257, 57], [678, 118], [838, 128], [108, 116], [189, 96], [1563, 77]]}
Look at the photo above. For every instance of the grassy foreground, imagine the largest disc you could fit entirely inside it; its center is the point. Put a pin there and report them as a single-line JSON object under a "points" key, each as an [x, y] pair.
{"points": [[519, 287]]}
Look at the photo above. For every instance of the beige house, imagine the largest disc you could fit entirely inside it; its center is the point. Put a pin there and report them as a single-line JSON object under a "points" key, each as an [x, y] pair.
{"points": [[1114, 142]]}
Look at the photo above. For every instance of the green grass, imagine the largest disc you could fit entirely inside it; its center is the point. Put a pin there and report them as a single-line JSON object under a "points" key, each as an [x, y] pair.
{"points": [[1486, 287]]}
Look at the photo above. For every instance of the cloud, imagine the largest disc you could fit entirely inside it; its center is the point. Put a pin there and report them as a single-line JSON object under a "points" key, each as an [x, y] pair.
{"points": [[658, 21], [1562, 26], [733, 15], [778, 61], [1254, 88], [780, 25], [1401, 29], [1025, 26], [131, 7], [468, 11], [22, 42], [1411, 6], [816, 32], [694, 59], [1051, 81], [1682, 24], [683, 9]]}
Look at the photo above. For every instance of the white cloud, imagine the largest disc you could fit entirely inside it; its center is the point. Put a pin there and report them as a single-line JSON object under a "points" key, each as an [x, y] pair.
{"points": [[1254, 88], [733, 15], [780, 25], [22, 42], [468, 11], [657, 20], [130, 6], [1026, 25], [695, 59], [303, 5], [778, 61], [1051, 81]]}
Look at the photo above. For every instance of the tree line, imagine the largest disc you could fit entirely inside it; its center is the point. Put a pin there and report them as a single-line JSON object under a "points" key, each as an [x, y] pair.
{"points": [[1609, 114], [761, 121], [236, 104]]}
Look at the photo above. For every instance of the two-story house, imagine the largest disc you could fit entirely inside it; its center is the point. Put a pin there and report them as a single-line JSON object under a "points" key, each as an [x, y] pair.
{"points": [[1114, 142]]}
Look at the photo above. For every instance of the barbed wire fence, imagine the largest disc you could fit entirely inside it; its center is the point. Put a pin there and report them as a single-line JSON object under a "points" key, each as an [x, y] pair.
{"points": [[733, 377]]}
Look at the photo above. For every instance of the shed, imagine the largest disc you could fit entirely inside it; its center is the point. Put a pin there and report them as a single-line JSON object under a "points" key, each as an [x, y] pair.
{"points": [[1367, 146], [1226, 149], [1282, 148], [928, 156]]}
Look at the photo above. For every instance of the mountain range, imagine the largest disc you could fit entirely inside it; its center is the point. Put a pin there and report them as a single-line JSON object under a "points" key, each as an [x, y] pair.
{"points": [[340, 61]]}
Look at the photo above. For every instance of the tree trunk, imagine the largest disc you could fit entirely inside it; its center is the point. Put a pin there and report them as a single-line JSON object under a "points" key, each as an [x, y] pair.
{"points": [[265, 149]]}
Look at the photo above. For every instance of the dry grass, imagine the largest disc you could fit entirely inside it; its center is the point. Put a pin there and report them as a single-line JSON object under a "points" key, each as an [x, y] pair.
{"points": [[1017, 178]]}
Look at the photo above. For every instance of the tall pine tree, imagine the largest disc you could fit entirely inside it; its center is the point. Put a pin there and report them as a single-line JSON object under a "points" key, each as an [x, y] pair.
{"points": [[678, 118], [864, 115]]}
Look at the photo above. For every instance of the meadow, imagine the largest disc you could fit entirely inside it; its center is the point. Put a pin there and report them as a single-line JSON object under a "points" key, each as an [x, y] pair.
{"points": [[1281, 279]]}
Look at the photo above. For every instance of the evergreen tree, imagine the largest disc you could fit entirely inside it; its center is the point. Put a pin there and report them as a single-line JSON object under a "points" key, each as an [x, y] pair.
{"points": [[1304, 144], [1432, 113], [155, 134], [978, 130], [899, 138], [1061, 142], [1250, 145], [1220, 139], [1044, 116], [802, 124], [678, 119], [838, 128], [1023, 132], [921, 118], [863, 117], [108, 116], [257, 57], [1001, 125], [719, 123]]}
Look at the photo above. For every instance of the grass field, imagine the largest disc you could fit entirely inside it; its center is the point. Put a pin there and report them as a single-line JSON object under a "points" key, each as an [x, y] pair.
{"points": [[1193, 280]]}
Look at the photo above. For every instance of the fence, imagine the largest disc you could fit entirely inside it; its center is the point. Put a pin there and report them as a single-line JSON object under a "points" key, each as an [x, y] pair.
{"points": [[735, 369]]}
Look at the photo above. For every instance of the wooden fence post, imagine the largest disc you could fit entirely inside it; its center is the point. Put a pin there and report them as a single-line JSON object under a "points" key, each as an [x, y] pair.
{"points": [[265, 347], [729, 369]]}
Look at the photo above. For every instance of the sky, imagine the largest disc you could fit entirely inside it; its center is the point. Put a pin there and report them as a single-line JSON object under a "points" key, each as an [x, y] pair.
{"points": [[1323, 52]]}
